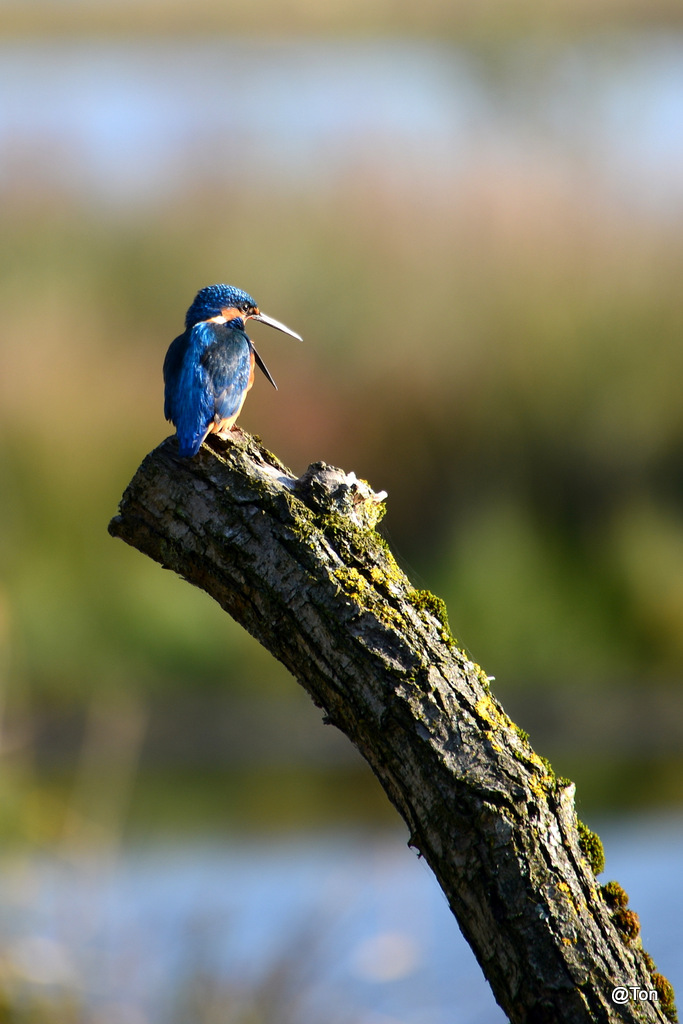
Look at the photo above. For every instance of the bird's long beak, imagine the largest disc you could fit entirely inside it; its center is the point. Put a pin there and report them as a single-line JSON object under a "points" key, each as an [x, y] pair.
{"points": [[262, 318]]}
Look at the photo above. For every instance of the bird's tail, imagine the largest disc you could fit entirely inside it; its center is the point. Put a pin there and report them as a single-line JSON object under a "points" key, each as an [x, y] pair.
{"points": [[189, 444]]}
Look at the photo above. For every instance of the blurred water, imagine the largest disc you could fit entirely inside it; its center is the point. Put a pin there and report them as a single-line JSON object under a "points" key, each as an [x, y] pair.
{"points": [[352, 924], [126, 121]]}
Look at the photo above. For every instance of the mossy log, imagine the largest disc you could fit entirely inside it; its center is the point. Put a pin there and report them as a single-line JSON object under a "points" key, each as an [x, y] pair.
{"points": [[298, 563]]}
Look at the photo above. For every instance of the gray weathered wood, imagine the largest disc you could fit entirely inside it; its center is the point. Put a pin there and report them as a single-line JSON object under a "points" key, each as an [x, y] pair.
{"points": [[298, 563]]}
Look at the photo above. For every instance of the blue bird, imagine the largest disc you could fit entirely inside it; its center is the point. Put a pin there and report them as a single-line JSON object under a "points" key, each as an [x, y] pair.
{"points": [[209, 369]]}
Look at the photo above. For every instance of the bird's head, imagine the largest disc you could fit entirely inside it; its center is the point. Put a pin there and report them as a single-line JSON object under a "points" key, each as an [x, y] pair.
{"points": [[228, 303], [220, 300]]}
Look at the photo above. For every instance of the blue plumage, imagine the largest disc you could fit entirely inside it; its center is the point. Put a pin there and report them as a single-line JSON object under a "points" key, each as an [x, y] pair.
{"points": [[209, 369]]}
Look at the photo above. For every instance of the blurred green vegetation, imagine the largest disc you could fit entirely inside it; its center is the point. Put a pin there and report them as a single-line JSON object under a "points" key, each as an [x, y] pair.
{"points": [[502, 355], [483, 22]]}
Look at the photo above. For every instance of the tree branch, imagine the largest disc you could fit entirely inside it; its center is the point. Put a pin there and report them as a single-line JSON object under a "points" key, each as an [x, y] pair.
{"points": [[298, 563]]}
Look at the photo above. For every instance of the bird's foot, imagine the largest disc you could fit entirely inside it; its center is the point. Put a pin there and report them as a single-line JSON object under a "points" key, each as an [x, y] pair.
{"points": [[230, 433]]}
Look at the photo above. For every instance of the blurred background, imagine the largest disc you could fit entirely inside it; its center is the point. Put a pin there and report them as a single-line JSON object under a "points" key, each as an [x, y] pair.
{"points": [[473, 213]]}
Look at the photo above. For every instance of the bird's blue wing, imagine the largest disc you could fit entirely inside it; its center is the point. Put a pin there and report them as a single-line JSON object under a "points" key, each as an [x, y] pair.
{"points": [[228, 366], [188, 401], [172, 369], [206, 372]]}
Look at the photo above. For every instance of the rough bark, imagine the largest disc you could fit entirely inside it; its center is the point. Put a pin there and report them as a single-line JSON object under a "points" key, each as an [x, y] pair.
{"points": [[298, 563]]}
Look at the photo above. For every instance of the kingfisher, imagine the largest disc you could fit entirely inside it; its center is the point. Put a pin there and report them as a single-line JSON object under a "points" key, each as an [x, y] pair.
{"points": [[209, 368]]}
